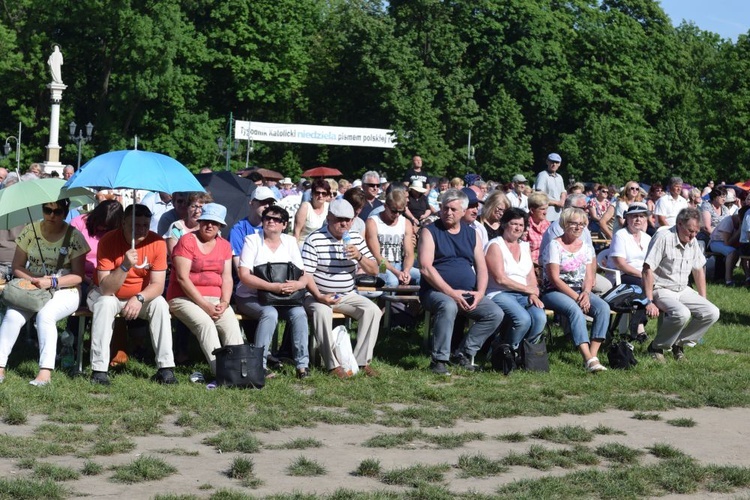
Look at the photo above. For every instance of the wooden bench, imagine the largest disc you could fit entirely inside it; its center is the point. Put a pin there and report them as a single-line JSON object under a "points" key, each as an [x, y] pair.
{"points": [[399, 294]]}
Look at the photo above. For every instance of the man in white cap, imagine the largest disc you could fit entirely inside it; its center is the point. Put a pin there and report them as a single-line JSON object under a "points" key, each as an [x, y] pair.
{"points": [[517, 196], [332, 264], [261, 199], [551, 183]]}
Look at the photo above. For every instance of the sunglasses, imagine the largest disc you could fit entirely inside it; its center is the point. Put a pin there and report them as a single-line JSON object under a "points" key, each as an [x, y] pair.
{"points": [[277, 220], [399, 212], [49, 211], [634, 188], [370, 185], [263, 203], [322, 193], [473, 205]]}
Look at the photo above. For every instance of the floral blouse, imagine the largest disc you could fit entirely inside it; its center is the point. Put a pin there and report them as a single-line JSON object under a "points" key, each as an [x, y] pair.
{"points": [[572, 264]]}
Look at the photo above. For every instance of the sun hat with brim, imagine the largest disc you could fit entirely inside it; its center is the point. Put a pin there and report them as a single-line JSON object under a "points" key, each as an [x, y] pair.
{"points": [[418, 187], [637, 208], [214, 212]]}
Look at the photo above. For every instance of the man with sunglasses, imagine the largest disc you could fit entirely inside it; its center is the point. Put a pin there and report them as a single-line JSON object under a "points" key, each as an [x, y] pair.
{"points": [[333, 265], [261, 199], [130, 275], [371, 187], [390, 239]]}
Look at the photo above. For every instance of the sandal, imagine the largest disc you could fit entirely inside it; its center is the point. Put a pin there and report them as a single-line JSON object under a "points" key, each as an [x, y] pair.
{"points": [[593, 365]]}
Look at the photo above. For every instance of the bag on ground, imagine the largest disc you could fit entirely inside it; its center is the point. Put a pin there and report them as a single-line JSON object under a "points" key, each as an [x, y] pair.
{"points": [[343, 350], [20, 293], [620, 355], [534, 356], [240, 366], [503, 358]]}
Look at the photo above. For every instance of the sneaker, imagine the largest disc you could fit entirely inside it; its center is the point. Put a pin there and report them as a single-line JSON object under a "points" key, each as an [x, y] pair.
{"points": [[197, 378], [339, 372], [440, 368], [656, 354], [100, 378], [678, 352], [303, 373], [40, 383], [464, 362], [369, 371], [164, 376]]}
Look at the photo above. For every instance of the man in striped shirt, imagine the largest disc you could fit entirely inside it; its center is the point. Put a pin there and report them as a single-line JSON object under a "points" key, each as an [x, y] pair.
{"points": [[332, 264]]}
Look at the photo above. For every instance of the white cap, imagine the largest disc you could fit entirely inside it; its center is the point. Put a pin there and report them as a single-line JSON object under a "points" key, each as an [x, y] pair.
{"points": [[263, 193]]}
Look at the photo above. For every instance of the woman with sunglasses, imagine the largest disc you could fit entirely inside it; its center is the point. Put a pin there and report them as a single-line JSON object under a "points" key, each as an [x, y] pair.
{"points": [[597, 207], [272, 245], [569, 272], [492, 211], [312, 214], [189, 223], [201, 284], [39, 246]]}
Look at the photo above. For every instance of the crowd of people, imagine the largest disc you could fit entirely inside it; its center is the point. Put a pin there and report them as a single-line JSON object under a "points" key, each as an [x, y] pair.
{"points": [[497, 254]]}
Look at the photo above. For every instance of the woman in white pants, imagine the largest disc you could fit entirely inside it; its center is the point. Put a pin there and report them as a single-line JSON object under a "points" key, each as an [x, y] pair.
{"points": [[50, 234]]}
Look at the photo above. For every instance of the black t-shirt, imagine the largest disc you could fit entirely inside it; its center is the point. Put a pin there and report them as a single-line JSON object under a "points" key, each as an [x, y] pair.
{"points": [[412, 175], [417, 206]]}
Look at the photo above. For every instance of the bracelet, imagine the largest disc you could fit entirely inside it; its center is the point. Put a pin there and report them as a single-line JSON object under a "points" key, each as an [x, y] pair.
{"points": [[360, 258], [53, 279], [125, 269]]}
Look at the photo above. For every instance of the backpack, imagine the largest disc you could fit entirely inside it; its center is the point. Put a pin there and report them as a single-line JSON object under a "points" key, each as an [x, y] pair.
{"points": [[503, 357], [620, 355], [625, 298]]}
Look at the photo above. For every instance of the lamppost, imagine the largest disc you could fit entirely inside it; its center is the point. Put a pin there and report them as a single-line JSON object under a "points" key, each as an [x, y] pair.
{"points": [[229, 150], [80, 138], [470, 153], [6, 149]]}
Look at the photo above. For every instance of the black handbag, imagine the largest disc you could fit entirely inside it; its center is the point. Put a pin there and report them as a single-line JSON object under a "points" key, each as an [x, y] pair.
{"points": [[279, 272], [240, 366], [620, 355], [535, 357], [366, 280], [503, 358]]}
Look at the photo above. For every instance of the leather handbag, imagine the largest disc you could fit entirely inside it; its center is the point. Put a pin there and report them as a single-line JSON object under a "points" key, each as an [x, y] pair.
{"points": [[20, 293], [366, 280], [240, 366], [279, 272]]}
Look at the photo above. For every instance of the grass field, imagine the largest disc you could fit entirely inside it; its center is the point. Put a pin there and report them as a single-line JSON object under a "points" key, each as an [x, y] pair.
{"points": [[90, 423]]}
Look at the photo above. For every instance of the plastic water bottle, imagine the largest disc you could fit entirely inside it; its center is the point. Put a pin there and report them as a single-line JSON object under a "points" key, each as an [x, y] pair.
{"points": [[67, 354], [347, 239]]}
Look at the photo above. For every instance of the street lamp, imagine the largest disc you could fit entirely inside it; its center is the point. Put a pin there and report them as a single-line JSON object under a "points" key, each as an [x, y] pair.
{"points": [[6, 148], [229, 150], [80, 138], [470, 153]]}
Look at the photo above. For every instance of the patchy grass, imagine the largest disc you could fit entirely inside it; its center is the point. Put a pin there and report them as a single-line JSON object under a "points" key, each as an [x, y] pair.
{"points": [[647, 416], [479, 465], [541, 458], [303, 466], [55, 472], [603, 430], [411, 436], [296, 444], [143, 468], [241, 468], [415, 475], [32, 489], [665, 451], [91, 468], [682, 422], [564, 434], [369, 467], [513, 437], [227, 441], [616, 452]]}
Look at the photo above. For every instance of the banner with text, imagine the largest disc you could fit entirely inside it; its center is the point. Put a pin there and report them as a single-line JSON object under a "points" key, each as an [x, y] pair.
{"points": [[314, 134]]}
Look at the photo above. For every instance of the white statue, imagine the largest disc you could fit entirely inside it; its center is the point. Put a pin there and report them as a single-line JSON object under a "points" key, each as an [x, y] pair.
{"points": [[55, 62]]}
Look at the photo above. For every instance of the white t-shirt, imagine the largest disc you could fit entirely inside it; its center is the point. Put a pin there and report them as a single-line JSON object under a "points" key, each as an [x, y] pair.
{"points": [[624, 245], [669, 208], [554, 186], [255, 253], [517, 270]]}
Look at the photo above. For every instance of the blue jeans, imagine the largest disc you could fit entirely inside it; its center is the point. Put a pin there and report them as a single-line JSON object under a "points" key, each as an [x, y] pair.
{"points": [[392, 281], [268, 318], [564, 305], [487, 317], [526, 321]]}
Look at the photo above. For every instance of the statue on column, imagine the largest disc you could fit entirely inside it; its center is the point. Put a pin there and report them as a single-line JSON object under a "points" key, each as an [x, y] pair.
{"points": [[55, 63]]}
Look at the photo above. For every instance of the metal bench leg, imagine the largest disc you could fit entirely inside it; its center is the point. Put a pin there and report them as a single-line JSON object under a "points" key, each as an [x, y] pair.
{"points": [[79, 349]]}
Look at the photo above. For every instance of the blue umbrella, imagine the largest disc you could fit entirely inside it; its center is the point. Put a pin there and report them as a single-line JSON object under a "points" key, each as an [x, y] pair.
{"points": [[133, 169]]}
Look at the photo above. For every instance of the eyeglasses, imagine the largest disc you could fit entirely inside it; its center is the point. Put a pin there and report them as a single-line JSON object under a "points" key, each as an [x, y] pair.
{"points": [[576, 224], [370, 185], [398, 212], [49, 211], [499, 210], [321, 193], [277, 220], [604, 190], [196, 207]]}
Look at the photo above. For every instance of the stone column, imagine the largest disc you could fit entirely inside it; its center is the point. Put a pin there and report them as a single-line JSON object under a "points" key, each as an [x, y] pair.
{"points": [[53, 148]]}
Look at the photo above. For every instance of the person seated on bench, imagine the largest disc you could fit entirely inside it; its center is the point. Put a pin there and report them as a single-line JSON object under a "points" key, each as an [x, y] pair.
{"points": [[454, 279], [271, 244], [332, 266], [391, 240], [131, 269], [687, 314], [201, 285], [42, 246], [569, 266], [626, 254]]}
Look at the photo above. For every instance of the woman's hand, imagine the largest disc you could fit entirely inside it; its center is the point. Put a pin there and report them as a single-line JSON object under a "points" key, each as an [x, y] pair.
{"points": [[536, 301], [43, 283], [584, 301]]}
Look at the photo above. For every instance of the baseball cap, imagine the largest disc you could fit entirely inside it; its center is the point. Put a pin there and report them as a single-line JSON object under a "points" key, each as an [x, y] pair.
{"points": [[471, 195], [341, 208], [519, 178], [263, 193], [554, 157]]}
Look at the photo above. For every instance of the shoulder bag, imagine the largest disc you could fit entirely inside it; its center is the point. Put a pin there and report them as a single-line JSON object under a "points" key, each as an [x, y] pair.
{"points": [[279, 272], [240, 366], [20, 293]]}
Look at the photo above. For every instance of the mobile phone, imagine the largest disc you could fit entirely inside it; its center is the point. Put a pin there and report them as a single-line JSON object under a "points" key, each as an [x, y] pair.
{"points": [[469, 298]]}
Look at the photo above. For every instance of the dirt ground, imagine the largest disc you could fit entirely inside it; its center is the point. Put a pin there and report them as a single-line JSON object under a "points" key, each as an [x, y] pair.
{"points": [[720, 437]]}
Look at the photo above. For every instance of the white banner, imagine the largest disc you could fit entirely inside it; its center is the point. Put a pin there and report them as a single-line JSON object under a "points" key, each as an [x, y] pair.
{"points": [[314, 134]]}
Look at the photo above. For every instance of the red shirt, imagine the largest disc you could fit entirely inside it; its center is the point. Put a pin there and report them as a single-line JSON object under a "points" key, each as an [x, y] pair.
{"points": [[534, 237], [205, 269], [111, 253]]}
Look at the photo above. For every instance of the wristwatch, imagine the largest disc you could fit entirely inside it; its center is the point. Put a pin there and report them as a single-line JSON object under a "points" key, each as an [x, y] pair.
{"points": [[140, 298]]}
